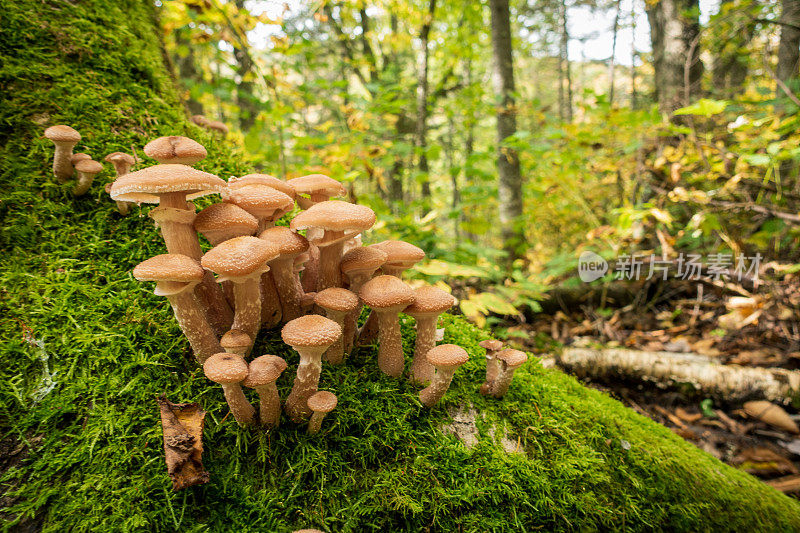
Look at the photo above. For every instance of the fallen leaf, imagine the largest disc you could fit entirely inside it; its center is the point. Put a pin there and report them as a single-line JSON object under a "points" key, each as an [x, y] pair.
{"points": [[686, 416], [772, 414], [182, 424], [763, 461]]}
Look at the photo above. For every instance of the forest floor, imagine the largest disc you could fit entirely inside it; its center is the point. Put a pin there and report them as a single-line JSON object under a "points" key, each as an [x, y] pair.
{"points": [[759, 329]]}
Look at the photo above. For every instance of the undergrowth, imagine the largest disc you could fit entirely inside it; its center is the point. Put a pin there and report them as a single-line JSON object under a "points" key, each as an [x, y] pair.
{"points": [[86, 349]]}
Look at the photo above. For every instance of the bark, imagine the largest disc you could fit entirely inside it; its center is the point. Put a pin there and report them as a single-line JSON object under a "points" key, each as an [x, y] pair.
{"points": [[634, 55], [510, 183], [421, 129], [674, 32], [789, 46], [612, 64], [728, 382], [565, 83]]}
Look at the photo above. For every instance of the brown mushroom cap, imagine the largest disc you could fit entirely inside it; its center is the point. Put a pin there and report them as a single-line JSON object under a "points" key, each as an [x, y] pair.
{"points": [[447, 356], [235, 339], [322, 402], [337, 299], [62, 133], [383, 292], [317, 184], [400, 252], [144, 186], [335, 215], [260, 200], [89, 166], [262, 179], [175, 149], [491, 345], [121, 157], [222, 216], [200, 120], [362, 258], [310, 330], [169, 267], [238, 257], [216, 125], [429, 299], [264, 370], [287, 241], [224, 368], [80, 156], [512, 358]]}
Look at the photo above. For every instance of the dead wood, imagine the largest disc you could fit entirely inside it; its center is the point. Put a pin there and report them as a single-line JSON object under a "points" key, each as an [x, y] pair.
{"points": [[182, 424]]}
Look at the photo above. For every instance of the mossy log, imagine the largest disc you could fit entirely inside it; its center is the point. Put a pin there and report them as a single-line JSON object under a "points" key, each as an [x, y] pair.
{"points": [[85, 348]]}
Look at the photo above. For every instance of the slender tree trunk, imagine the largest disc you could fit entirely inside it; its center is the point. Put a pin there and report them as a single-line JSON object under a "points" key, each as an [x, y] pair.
{"points": [[510, 183], [455, 200], [729, 64], [566, 69], [245, 88], [187, 71], [674, 29], [634, 55], [789, 46], [422, 101], [612, 66]]}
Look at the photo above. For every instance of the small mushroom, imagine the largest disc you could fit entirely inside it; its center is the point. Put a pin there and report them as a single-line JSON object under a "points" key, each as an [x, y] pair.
{"points": [[429, 303], [310, 336], [510, 360], [200, 120], [321, 403], [358, 266], [221, 222], [262, 179], [337, 303], [236, 341], [229, 370], [80, 156], [387, 296], [242, 260], [65, 139], [217, 126], [315, 188], [122, 165], [290, 291], [175, 276], [264, 372], [175, 150], [492, 347], [87, 170], [445, 358], [337, 221]]}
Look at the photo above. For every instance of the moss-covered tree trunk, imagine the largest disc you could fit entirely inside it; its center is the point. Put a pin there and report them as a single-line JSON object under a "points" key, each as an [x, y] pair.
{"points": [[86, 350]]}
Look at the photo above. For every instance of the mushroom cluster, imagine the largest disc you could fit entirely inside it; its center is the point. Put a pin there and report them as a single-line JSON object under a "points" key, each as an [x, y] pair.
{"points": [[311, 279]]}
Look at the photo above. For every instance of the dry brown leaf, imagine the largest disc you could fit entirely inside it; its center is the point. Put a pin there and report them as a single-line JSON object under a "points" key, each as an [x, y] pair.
{"points": [[764, 462], [772, 414], [182, 424], [691, 418], [786, 484]]}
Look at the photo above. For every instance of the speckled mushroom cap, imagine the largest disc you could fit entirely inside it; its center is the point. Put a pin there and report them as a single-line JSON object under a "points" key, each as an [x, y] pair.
{"points": [[175, 149], [80, 156], [491, 345], [310, 330], [322, 402], [262, 179], [335, 215], [260, 200], [120, 157], [317, 184], [144, 186], [447, 356], [224, 368], [62, 133], [234, 339], [512, 358], [263, 370], [239, 257], [287, 241], [400, 253], [222, 216], [336, 299], [362, 258], [169, 267], [89, 166], [216, 125], [383, 292], [430, 300]]}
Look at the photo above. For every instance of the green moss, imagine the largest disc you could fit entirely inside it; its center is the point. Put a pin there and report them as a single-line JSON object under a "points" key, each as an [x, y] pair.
{"points": [[95, 459]]}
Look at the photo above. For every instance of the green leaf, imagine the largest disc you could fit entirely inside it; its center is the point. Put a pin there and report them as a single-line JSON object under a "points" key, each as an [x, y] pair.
{"points": [[496, 304], [704, 107]]}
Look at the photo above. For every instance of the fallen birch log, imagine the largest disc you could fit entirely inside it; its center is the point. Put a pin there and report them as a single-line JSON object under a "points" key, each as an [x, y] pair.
{"points": [[730, 382]]}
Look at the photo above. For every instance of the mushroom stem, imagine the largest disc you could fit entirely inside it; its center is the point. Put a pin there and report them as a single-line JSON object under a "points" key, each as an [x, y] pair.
{"points": [[306, 382], [335, 354], [62, 166], [315, 424], [269, 405], [242, 411], [369, 330], [390, 351], [421, 370], [431, 394], [492, 371], [192, 321], [85, 180], [270, 302], [329, 258], [351, 320], [290, 291], [311, 272], [247, 294]]}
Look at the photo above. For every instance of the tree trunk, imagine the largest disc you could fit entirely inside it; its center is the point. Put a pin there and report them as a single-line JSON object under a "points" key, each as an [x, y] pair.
{"points": [[565, 90], [187, 71], [729, 67], [422, 102], [789, 47], [634, 55], [510, 183], [674, 34], [612, 65]]}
